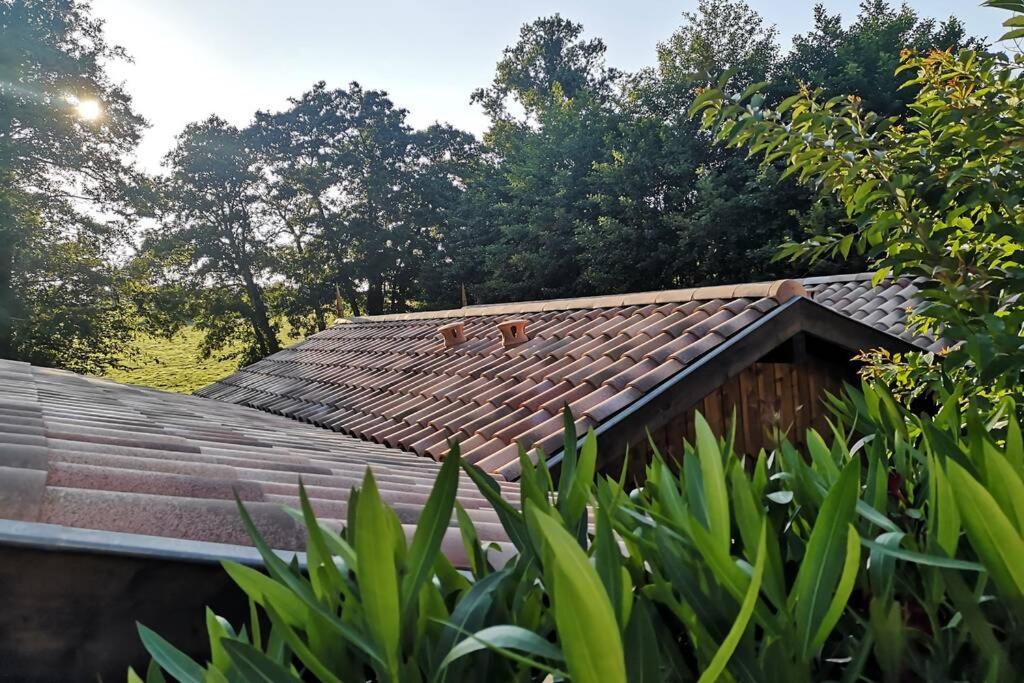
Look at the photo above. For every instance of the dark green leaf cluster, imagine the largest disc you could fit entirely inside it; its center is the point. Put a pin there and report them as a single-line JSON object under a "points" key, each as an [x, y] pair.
{"points": [[67, 196]]}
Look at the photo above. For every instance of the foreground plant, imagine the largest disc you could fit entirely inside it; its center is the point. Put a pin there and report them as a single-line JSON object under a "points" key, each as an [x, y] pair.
{"points": [[852, 561]]}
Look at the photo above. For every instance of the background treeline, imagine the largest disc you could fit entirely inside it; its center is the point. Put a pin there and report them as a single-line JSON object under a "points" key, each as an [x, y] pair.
{"points": [[588, 180]]}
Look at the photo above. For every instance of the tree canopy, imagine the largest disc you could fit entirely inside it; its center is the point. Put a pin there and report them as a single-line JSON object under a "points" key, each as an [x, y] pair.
{"points": [[588, 180], [67, 196]]}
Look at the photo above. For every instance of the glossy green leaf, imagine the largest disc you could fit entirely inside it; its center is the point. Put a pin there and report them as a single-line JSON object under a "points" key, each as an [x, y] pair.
{"points": [[378, 577], [172, 660], [587, 627]]}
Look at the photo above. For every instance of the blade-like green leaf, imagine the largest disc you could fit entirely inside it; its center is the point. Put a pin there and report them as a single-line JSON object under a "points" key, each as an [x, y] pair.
{"points": [[256, 667], [172, 660], [504, 637], [716, 497], [732, 639], [587, 628], [378, 577], [842, 595], [823, 561], [998, 544], [430, 530], [301, 649]]}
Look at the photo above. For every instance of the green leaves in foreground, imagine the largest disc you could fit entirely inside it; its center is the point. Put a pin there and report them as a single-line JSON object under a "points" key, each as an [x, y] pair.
{"points": [[727, 568], [583, 614]]}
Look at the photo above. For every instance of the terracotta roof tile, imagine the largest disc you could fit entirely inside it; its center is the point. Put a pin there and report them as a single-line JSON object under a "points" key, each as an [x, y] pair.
{"points": [[94, 454], [369, 376], [594, 353], [883, 306]]}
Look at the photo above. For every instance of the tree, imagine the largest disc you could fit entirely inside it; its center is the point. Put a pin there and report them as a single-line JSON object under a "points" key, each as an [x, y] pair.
{"points": [[213, 238], [364, 198], [936, 195], [550, 62], [551, 103], [862, 59], [675, 210], [65, 190]]}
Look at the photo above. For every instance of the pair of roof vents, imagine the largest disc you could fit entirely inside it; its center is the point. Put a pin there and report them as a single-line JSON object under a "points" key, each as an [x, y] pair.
{"points": [[513, 333]]}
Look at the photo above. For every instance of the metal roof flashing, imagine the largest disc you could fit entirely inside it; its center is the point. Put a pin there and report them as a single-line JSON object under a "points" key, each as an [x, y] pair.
{"points": [[58, 538]]}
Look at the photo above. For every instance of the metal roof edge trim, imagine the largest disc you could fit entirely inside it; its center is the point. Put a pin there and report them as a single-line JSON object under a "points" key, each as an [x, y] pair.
{"points": [[58, 538], [781, 289]]}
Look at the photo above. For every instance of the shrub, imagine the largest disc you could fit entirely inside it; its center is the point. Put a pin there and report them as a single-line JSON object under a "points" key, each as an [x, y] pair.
{"points": [[852, 561]]}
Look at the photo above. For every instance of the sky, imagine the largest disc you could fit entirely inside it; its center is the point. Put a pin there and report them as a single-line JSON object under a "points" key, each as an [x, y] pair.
{"points": [[193, 58]]}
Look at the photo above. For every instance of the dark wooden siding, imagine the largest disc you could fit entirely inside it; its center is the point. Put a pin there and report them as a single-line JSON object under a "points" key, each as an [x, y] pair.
{"points": [[765, 398]]}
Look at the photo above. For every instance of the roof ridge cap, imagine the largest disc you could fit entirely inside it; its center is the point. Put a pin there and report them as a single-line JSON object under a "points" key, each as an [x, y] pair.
{"points": [[783, 290]]}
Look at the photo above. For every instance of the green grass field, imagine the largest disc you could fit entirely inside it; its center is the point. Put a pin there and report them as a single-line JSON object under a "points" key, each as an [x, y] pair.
{"points": [[175, 364], [171, 364]]}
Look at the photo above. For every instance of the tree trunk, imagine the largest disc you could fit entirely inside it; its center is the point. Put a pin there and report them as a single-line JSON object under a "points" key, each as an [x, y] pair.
{"points": [[260, 318], [6, 294], [375, 295]]}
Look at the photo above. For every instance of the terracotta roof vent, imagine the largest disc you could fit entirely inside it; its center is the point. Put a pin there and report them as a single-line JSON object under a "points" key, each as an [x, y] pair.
{"points": [[513, 332], [453, 334]]}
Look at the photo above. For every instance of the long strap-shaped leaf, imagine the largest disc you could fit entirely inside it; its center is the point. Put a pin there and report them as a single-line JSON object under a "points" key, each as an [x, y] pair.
{"points": [[732, 639], [843, 591], [587, 628], [430, 530], [823, 562], [992, 535]]}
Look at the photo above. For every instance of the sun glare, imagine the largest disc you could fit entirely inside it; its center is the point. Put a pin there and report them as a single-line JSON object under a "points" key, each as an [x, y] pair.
{"points": [[88, 110]]}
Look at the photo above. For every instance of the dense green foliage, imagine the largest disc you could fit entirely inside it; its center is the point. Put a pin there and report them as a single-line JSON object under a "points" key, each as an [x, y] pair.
{"points": [[852, 561], [935, 195], [65, 190], [892, 549], [588, 180]]}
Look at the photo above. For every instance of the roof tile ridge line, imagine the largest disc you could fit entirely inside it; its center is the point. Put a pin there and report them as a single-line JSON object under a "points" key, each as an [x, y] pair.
{"points": [[839, 277], [779, 289]]}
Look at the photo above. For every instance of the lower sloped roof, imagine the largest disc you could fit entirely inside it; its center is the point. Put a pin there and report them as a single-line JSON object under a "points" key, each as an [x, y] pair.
{"points": [[883, 306], [90, 453]]}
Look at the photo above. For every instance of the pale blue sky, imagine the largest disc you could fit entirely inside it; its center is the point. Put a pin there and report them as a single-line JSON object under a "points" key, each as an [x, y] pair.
{"points": [[232, 57]]}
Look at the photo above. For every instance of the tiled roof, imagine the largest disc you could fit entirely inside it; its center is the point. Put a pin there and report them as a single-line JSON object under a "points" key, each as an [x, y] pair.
{"points": [[883, 306], [94, 454], [390, 379]]}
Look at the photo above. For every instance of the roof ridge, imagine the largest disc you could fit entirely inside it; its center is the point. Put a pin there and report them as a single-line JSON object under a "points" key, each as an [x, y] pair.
{"points": [[782, 290], [844, 277]]}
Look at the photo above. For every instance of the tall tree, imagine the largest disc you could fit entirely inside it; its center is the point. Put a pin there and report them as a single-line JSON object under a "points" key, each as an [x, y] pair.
{"points": [[65, 189], [365, 199], [213, 237], [551, 104], [861, 59]]}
